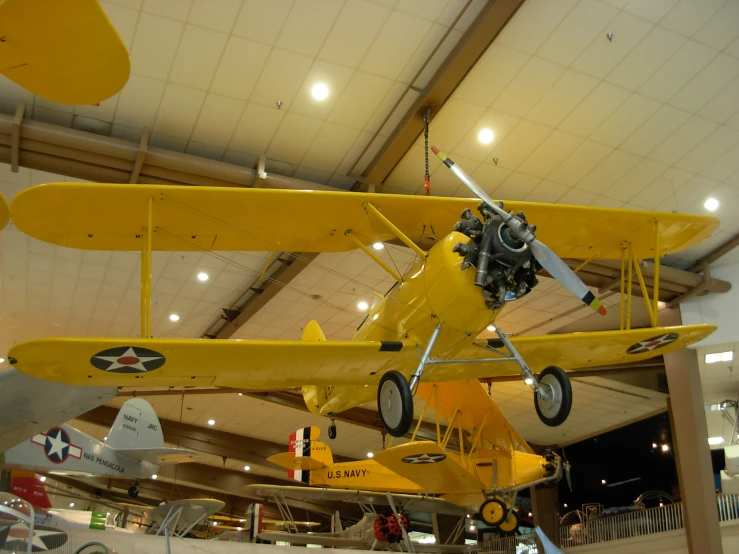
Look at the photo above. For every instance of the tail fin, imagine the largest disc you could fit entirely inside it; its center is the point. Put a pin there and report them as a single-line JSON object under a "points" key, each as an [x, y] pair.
{"points": [[254, 513], [25, 485], [314, 397], [303, 444], [136, 426], [336, 526]]}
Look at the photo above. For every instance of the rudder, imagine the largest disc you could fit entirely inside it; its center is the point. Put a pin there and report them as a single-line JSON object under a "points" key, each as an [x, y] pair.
{"points": [[303, 443], [24, 485], [136, 426]]}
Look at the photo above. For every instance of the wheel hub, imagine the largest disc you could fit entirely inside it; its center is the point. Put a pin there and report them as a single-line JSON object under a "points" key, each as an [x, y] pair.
{"points": [[392, 412], [551, 400]]}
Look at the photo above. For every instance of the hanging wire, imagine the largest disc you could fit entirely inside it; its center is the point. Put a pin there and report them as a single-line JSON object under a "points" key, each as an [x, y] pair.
{"points": [[427, 175]]}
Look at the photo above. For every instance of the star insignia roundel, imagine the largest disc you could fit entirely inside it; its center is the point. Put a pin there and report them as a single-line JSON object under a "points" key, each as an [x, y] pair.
{"points": [[647, 345], [128, 359], [424, 459]]}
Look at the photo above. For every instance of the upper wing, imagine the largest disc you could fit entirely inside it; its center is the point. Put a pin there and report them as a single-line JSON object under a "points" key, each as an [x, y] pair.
{"points": [[159, 456], [196, 362], [407, 501], [29, 406], [4, 211], [571, 351], [478, 410], [71, 55], [211, 218], [427, 464]]}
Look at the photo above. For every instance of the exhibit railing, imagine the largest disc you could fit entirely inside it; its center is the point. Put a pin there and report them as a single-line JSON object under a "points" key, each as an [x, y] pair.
{"points": [[622, 526]]}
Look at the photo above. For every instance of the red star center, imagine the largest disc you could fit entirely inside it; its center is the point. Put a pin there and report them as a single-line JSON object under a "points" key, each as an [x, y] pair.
{"points": [[128, 360], [653, 343]]}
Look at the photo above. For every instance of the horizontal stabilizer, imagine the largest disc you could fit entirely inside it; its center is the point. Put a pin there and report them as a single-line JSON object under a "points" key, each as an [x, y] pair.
{"points": [[159, 456], [288, 460]]}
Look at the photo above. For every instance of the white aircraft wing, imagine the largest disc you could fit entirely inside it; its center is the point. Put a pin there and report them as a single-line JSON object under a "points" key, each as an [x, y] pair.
{"points": [[29, 405], [159, 456], [407, 501]]}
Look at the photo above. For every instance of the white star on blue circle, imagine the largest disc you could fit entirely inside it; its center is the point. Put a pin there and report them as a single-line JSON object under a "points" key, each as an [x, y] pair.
{"points": [[57, 445]]}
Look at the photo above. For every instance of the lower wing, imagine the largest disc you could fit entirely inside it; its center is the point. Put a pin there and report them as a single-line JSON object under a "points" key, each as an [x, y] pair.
{"points": [[570, 351], [406, 501], [159, 456], [428, 465], [196, 362]]}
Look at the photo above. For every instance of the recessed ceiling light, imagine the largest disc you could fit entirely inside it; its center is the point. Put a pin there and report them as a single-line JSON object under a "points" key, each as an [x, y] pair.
{"points": [[711, 204], [239, 528], [42, 478], [241, 394], [370, 455], [654, 445], [319, 91], [486, 136], [154, 477], [211, 422], [715, 440], [2, 360], [528, 381], [378, 246], [362, 305], [71, 504], [174, 317], [202, 276], [105, 439], [215, 523], [565, 505], [491, 328], [247, 468], [665, 447]]}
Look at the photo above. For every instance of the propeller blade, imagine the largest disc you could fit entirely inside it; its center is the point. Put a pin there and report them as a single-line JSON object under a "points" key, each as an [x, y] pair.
{"points": [[543, 254], [548, 546], [562, 273], [568, 476]]}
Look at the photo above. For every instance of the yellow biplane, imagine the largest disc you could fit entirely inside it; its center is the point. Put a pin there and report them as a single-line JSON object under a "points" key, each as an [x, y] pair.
{"points": [[425, 327], [491, 462], [67, 52]]}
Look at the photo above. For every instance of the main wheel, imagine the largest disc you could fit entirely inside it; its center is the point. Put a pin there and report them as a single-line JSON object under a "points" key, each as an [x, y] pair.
{"points": [[133, 491], [332, 431], [554, 409], [510, 525], [395, 403], [493, 511]]}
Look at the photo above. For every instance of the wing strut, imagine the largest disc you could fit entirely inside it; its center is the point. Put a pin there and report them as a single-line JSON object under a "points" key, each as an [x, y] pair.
{"points": [[372, 211], [146, 274]]}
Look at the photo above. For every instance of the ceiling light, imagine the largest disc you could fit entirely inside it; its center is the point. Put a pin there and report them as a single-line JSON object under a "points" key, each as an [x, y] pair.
{"points": [[241, 394], [174, 317], [602, 481], [491, 328], [2, 360], [468, 516], [528, 381], [715, 440], [215, 523], [486, 136], [378, 246], [370, 455], [242, 520], [211, 422], [246, 468], [719, 357], [202, 276], [362, 305], [711, 204], [42, 478], [530, 514], [665, 447], [319, 91], [239, 528], [472, 527], [105, 439], [654, 445], [374, 317], [154, 477], [565, 505], [71, 504]]}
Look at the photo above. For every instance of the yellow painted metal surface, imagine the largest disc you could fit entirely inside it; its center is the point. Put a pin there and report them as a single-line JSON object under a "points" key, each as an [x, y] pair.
{"points": [[81, 215], [4, 212], [282, 364], [65, 51], [476, 411], [443, 475]]}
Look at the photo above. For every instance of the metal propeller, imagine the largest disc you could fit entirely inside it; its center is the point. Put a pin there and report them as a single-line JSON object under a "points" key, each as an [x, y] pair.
{"points": [[543, 254]]}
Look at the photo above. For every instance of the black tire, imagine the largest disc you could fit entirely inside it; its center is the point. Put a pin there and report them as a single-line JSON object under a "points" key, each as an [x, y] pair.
{"points": [[332, 432], [133, 491], [510, 525], [493, 511], [395, 403], [554, 412]]}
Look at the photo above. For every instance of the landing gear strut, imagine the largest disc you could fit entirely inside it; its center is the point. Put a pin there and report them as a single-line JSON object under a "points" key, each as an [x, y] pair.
{"points": [[332, 429]]}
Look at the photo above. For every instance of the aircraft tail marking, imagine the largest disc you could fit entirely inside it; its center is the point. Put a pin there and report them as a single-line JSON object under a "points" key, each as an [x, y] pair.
{"points": [[303, 444], [24, 484], [136, 426]]}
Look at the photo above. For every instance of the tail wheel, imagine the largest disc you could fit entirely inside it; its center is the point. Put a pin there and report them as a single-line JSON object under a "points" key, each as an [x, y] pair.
{"points": [[553, 408], [510, 525], [395, 403], [332, 431], [133, 491], [493, 511]]}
